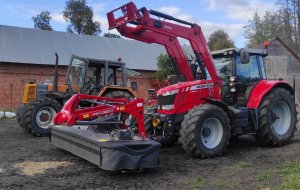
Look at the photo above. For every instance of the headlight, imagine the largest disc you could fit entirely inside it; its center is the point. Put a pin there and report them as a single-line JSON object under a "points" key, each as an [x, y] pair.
{"points": [[170, 92], [156, 122]]}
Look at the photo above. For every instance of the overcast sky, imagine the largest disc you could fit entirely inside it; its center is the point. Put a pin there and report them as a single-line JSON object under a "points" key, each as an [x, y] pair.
{"points": [[211, 15]]}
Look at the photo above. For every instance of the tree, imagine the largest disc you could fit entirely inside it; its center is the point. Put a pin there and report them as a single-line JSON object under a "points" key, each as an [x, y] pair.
{"points": [[284, 23], [110, 35], [165, 67], [219, 40], [42, 21], [80, 16]]}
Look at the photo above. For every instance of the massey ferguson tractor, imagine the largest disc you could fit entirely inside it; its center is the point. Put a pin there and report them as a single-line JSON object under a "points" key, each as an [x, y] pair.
{"points": [[220, 96]]}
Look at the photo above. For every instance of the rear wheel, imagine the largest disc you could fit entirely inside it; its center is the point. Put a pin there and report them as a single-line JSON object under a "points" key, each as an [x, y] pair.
{"points": [[205, 131], [119, 94], [39, 115], [123, 94], [148, 116], [277, 118], [19, 114]]}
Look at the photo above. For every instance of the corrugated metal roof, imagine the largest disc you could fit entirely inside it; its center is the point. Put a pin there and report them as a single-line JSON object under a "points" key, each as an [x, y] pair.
{"points": [[32, 46]]}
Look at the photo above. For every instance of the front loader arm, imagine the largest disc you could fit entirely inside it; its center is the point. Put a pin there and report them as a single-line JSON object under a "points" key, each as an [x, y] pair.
{"points": [[137, 24]]}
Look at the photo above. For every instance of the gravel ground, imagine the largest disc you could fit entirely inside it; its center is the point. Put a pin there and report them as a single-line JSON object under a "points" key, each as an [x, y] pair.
{"points": [[28, 162]]}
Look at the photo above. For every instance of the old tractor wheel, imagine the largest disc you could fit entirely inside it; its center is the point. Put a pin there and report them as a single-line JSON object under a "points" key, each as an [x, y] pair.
{"points": [[205, 131], [148, 116], [118, 94], [19, 114], [122, 94], [39, 115], [277, 118]]}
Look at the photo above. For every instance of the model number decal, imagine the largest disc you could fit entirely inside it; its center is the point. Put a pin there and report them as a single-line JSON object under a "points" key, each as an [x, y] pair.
{"points": [[201, 86], [168, 27]]}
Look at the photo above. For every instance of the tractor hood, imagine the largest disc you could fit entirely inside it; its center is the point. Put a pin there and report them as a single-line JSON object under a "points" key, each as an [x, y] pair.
{"points": [[183, 85]]}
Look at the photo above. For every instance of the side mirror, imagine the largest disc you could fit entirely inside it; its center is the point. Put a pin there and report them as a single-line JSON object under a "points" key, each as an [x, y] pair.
{"points": [[245, 57]]}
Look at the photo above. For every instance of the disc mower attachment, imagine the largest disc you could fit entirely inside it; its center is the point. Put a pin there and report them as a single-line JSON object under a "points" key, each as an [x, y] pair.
{"points": [[104, 132]]}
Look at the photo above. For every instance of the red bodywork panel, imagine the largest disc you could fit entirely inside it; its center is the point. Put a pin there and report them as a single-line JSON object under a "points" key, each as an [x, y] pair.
{"points": [[70, 112], [260, 90], [190, 94]]}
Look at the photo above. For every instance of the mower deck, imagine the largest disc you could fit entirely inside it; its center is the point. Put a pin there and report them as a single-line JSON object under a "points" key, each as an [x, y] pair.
{"points": [[105, 152]]}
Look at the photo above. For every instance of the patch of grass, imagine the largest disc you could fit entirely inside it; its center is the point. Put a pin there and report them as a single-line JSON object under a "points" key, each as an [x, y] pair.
{"points": [[240, 165], [195, 183], [224, 184], [291, 173], [263, 176]]}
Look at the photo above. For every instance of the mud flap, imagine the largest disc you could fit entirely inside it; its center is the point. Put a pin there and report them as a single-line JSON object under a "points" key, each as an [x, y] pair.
{"points": [[100, 149]]}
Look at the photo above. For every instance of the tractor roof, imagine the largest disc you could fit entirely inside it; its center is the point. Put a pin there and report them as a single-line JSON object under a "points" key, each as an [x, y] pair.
{"points": [[250, 50]]}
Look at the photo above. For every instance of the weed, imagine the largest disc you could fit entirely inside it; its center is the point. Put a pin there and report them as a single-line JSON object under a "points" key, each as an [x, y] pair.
{"points": [[240, 165], [196, 183], [291, 173], [263, 176], [224, 184]]}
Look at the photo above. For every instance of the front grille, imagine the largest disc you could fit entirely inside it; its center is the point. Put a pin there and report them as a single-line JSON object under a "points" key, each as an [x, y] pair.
{"points": [[166, 100]]}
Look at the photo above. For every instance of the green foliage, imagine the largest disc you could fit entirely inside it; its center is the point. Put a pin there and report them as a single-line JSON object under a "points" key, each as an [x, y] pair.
{"points": [[165, 67], [42, 21], [224, 184], [219, 40], [260, 29], [110, 35], [263, 176], [291, 172], [80, 16], [196, 183]]}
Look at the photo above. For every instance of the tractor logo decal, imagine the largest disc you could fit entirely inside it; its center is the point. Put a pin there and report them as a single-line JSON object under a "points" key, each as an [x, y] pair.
{"points": [[201, 86]]}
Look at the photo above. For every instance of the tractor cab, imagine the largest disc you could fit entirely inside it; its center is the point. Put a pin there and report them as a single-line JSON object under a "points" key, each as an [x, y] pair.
{"points": [[240, 70], [89, 76]]}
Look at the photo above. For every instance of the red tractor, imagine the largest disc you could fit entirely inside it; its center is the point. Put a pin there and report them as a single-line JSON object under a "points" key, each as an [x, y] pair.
{"points": [[219, 96]]}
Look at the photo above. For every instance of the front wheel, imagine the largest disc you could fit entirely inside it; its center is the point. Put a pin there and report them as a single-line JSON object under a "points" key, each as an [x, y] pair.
{"points": [[205, 131], [39, 114], [277, 118]]}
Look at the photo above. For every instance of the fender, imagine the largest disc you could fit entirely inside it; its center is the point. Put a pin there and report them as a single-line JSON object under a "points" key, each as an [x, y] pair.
{"points": [[262, 88]]}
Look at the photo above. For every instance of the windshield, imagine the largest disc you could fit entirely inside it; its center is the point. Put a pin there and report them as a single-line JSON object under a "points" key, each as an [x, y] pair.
{"points": [[223, 66], [76, 74]]}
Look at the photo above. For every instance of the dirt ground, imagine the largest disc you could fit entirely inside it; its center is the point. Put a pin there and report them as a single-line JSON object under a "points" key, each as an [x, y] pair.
{"points": [[27, 162]]}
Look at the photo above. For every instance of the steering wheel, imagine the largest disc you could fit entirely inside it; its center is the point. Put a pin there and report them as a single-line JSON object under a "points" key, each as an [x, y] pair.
{"points": [[89, 85]]}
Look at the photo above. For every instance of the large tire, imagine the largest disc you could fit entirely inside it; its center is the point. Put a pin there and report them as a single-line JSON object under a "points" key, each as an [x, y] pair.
{"points": [[277, 118], [19, 114], [121, 94], [148, 116], [118, 94], [205, 131], [39, 115]]}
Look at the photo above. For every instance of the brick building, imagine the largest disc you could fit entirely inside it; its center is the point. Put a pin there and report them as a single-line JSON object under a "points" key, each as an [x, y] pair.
{"points": [[28, 54]]}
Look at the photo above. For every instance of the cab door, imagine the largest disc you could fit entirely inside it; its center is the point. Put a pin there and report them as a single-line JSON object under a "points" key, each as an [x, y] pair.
{"points": [[247, 76], [76, 74]]}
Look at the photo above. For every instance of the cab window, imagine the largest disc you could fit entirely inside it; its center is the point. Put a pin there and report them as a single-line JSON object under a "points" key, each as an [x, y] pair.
{"points": [[248, 72]]}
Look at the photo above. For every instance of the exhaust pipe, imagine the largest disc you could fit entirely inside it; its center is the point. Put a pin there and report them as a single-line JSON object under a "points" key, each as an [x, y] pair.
{"points": [[56, 73]]}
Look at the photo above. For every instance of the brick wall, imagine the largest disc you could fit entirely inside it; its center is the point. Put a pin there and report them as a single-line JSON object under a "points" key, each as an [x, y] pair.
{"points": [[144, 82], [14, 76]]}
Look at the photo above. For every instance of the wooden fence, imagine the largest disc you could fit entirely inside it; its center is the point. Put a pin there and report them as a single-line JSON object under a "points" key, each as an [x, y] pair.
{"points": [[277, 67]]}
